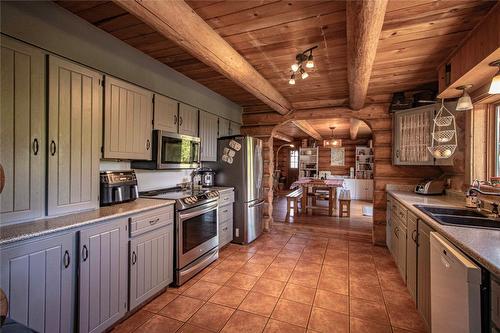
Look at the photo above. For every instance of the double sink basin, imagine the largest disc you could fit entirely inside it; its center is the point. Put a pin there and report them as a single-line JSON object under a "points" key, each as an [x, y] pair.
{"points": [[460, 217]]}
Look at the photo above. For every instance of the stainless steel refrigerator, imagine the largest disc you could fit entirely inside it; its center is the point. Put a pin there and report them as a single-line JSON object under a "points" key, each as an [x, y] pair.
{"points": [[240, 165]]}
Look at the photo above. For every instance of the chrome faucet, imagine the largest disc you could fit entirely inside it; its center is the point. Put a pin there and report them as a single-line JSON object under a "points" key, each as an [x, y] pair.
{"points": [[477, 190]]}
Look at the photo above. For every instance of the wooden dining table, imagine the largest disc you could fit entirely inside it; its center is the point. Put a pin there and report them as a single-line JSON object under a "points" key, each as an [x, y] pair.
{"points": [[309, 185]]}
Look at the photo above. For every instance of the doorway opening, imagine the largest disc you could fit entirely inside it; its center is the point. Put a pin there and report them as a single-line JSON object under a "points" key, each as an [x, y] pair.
{"points": [[336, 149]]}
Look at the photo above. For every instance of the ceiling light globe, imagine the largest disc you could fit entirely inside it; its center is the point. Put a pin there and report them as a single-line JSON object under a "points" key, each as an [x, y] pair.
{"points": [[291, 81], [304, 75], [295, 67], [464, 103], [495, 84]]}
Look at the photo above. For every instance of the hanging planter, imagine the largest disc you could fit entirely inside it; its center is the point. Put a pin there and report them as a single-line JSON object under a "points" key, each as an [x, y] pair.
{"points": [[444, 134]]}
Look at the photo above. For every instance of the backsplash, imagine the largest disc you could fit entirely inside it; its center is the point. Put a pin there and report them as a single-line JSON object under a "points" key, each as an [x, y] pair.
{"points": [[149, 179]]}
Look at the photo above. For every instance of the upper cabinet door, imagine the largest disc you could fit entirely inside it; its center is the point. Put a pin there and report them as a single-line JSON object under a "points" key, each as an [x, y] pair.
{"points": [[188, 120], [412, 136], [75, 115], [128, 121], [208, 136], [224, 129], [165, 114], [235, 128], [22, 143]]}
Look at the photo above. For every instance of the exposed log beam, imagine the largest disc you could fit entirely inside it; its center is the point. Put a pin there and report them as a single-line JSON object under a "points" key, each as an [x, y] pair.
{"points": [[179, 23], [308, 129], [283, 137], [354, 128], [364, 24]]}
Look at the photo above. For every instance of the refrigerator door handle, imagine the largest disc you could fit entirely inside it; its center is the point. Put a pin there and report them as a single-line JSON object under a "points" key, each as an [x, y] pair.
{"points": [[257, 204]]}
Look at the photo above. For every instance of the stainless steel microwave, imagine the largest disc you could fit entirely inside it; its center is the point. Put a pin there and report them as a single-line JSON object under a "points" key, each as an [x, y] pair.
{"points": [[172, 151]]}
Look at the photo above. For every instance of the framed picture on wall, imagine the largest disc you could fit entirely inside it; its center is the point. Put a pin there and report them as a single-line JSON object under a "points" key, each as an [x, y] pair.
{"points": [[337, 157]]}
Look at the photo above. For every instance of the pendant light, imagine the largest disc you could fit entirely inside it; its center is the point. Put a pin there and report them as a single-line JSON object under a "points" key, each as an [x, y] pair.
{"points": [[292, 79], [332, 142], [464, 102], [495, 82]]}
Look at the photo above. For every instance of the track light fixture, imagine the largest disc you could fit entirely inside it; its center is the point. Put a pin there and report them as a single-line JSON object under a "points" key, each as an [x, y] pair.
{"points": [[298, 67]]}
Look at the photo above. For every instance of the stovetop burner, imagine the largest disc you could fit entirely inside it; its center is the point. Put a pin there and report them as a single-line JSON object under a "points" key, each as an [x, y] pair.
{"points": [[185, 198]]}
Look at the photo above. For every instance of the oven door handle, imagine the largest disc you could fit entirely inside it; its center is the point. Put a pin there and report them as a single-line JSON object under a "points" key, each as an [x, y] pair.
{"points": [[257, 204], [197, 211]]}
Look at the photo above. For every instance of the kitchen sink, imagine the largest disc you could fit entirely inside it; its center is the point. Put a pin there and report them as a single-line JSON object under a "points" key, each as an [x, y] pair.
{"points": [[450, 211], [460, 217]]}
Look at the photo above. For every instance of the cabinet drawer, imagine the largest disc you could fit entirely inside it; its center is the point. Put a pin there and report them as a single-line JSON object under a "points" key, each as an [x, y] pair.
{"points": [[400, 211], [151, 220], [225, 233], [226, 198], [225, 213]]}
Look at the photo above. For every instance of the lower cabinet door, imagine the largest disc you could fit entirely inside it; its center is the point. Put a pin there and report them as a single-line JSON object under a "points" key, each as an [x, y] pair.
{"points": [[103, 275], [402, 250], [38, 278], [151, 264], [411, 256]]}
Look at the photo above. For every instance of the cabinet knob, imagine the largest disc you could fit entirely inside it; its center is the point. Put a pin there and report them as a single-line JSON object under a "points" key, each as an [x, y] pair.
{"points": [[148, 144], [36, 146], [85, 253], [180, 121], [66, 259], [134, 258], [52, 148], [175, 119], [153, 222]]}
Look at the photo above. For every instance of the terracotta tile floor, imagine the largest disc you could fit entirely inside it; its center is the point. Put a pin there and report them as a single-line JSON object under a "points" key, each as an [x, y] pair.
{"points": [[287, 281]]}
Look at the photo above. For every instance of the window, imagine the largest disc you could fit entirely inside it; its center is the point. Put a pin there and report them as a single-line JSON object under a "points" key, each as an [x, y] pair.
{"points": [[294, 159]]}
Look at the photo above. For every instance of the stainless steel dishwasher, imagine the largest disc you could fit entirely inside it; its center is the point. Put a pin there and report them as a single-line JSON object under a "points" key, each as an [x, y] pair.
{"points": [[455, 289]]}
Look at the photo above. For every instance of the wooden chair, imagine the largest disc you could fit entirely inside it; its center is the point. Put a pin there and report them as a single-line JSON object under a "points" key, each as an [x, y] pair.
{"points": [[293, 197], [345, 207]]}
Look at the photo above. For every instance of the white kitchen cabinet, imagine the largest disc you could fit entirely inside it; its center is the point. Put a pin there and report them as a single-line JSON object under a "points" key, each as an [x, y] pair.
{"points": [[411, 255], [188, 120], [103, 275], [224, 127], [401, 244], [75, 115], [412, 135], [226, 200], [208, 136], [128, 121], [39, 280], [22, 125], [151, 264], [165, 114], [235, 128]]}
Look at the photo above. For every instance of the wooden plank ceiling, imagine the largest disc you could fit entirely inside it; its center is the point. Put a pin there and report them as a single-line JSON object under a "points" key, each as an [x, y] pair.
{"points": [[322, 126], [416, 37]]}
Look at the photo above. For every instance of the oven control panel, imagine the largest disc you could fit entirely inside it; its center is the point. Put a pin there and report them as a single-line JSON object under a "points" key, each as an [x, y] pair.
{"points": [[200, 197]]}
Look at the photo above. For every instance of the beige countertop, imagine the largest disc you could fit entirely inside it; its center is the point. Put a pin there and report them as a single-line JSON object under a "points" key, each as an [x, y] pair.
{"points": [[483, 245], [21, 231], [219, 188]]}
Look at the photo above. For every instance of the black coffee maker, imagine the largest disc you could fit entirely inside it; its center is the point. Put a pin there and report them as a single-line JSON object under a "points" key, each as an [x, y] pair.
{"points": [[117, 187]]}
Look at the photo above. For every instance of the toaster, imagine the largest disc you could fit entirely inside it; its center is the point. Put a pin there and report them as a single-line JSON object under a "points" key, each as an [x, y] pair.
{"points": [[430, 187]]}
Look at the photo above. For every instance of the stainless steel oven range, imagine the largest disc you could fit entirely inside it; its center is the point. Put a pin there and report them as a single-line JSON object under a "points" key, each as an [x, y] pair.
{"points": [[196, 236]]}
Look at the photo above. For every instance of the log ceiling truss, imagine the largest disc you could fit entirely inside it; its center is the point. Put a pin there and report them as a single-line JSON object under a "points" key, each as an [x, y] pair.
{"points": [[416, 36]]}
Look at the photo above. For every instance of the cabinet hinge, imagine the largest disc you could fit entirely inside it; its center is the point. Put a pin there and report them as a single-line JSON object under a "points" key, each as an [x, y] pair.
{"points": [[125, 305], [126, 227], [153, 99], [101, 82], [102, 149]]}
